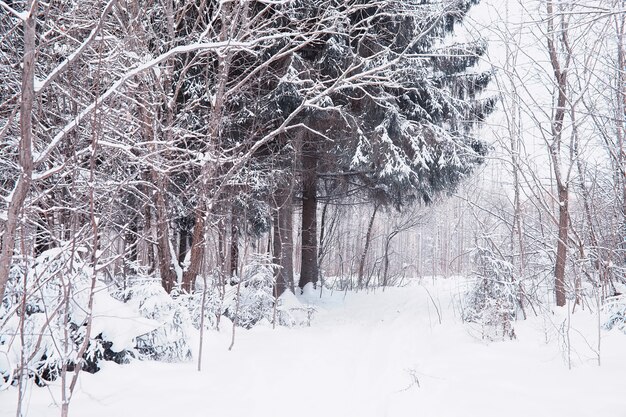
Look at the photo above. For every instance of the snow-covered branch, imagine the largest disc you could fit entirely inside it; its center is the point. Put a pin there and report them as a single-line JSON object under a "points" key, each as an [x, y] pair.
{"points": [[20, 15], [86, 112], [41, 85]]}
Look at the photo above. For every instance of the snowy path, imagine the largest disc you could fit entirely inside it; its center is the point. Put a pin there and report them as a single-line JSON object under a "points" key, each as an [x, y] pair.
{"points": [[362, 357]]}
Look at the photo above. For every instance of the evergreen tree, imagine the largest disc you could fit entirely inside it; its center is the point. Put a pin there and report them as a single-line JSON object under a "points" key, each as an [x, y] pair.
{"points": [[393, 107]]}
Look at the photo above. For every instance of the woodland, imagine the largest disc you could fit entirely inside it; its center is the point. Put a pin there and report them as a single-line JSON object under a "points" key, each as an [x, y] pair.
{"points": [[175, 172]]}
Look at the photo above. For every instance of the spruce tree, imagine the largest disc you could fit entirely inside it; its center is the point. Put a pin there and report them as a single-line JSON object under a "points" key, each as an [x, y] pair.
{"points": [[395, 103]]}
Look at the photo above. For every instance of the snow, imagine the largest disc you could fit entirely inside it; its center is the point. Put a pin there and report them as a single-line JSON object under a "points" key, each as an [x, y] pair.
{"points": [[376, 353], [23, 15], [288, 300], [118, 322]]}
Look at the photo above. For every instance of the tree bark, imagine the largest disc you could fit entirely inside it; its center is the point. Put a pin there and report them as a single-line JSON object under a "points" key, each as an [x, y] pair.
{"points": [[183, 241], [560, 78], [130, 244], [283, 241], [621, 123], [221, 246], [20, 192], [234, 244], [197, 249], [166, 267], [368, 240], [309, 271], [386, 257], [147, 231], [326, 230], [561, 251]]}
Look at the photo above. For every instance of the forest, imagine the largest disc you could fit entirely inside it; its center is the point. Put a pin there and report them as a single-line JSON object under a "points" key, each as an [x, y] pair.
{"points": [[270, 203]]}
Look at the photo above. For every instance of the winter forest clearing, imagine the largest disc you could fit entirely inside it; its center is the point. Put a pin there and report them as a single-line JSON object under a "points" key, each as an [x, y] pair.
{"points": [[236, 208]]}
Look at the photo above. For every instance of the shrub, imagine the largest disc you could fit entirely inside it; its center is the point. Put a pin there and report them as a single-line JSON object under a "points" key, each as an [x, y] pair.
{"points": [[614, 311], [491, 302], [252, 299]]}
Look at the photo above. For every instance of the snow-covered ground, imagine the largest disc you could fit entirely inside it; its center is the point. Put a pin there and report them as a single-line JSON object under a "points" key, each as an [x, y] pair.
{"points": [[368, 354]]}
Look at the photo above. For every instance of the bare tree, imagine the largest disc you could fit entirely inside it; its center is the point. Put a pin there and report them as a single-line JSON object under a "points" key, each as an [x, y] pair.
{"points": [[18, 195]]}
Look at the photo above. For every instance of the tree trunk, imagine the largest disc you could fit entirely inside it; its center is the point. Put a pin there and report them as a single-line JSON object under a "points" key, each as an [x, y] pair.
{"points": [[283, 241], [130, 244], [234, 244], [621, 125], [368, 240], [221, 246], [309, 272], [323, 236], [561, 250], [280, 285], [197, 250], [16, 202], [147, 231], [560, 79], [183, 242], [166, 267], [386, 257]]}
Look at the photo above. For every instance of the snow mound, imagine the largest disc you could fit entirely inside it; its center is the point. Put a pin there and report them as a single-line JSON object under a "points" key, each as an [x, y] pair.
{"points": [[292, 312], [119, 323]]}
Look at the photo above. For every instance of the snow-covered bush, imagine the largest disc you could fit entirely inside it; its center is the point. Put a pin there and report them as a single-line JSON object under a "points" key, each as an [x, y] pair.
{"points": [[614, 311], [57, 317], [170, 340], [251, 300], [46, 332], [42, 356], [291, 312], [140, 321], [212, 307], [491, 302]]}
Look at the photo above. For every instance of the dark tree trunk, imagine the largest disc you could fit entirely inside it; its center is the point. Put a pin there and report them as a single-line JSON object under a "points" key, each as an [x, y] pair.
{"points": [[221, 246], [234, 244], [163, 253], [166, 266], [386, 257], [131, 240], [197, 250], [283, 241], [42, 236], [183, 243], [130, 235], [147, 231], [368, 240], [277, 254], [328, 227], [130, 246], [323, 236], [309, 271]]}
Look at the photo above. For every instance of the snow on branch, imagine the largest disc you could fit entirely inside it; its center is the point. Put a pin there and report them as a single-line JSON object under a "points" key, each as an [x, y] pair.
{"points": [[217, 46], [39, 86], [20, 15]]}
